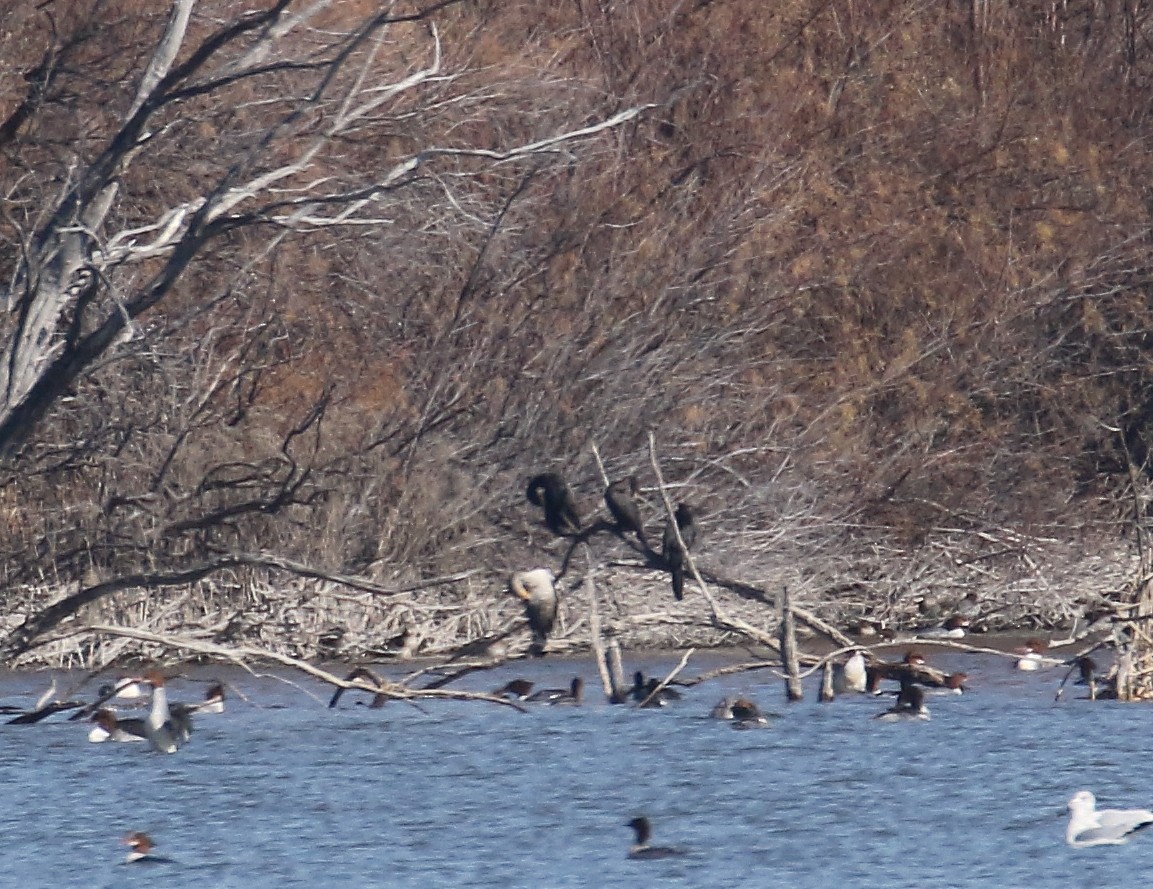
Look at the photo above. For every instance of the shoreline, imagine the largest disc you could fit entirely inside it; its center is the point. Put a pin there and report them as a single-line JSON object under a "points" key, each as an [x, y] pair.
{"points": [[1001, 643]]}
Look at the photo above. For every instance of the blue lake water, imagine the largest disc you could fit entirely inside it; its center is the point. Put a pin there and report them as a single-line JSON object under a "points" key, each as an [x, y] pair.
{"points": [[281, 792]]}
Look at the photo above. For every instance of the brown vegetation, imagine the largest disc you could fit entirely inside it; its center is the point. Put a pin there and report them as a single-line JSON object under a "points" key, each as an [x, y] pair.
{"points": [[874, 273]]}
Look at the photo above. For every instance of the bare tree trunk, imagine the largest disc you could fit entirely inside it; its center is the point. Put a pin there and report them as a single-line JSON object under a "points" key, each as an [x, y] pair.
{"points": [[788, 637], [616, 669], [827, 693]]}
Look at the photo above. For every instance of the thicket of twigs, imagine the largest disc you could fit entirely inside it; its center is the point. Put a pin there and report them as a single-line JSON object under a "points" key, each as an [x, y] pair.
{"points": [[875, 274]]}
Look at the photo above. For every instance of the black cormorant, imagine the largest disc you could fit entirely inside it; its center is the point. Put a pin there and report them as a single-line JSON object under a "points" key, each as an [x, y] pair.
{"points": [[620, 498], [671, 549], [550, 492]]}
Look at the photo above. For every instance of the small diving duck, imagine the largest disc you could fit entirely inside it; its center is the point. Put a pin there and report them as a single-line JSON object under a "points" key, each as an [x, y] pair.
{"points": [[910, 705], [1032, 654], [742, 711], [140, 847], [954, 684], [646, 690], [954, 628], [559, 696], [641, 848], [213, 702], [515, 689], [108, 727]]}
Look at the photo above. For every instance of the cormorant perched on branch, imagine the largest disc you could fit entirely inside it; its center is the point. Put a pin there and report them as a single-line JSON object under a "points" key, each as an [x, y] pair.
{"points": [[671, 548], [620, 498], [550, 492], [536, 590]]}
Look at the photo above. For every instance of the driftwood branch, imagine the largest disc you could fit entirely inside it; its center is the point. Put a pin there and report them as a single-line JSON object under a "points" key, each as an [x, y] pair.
{"points": [[24, 637], [660, 686], [596, 639], [733, 669], [241, 655]]}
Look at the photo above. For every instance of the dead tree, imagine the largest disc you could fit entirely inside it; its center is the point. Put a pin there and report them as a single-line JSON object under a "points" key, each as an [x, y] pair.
{"points": [[789, 656], [186, 178]]}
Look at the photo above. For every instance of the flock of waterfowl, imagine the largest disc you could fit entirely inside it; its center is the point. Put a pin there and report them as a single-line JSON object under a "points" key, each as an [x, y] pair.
{"points": [[166, 726]]}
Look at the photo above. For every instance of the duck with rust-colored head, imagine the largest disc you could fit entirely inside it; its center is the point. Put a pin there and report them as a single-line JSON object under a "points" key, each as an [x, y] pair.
{"points": [[140, 847]]}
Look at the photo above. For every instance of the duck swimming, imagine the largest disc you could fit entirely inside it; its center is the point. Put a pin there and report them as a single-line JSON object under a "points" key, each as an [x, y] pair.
{"points": [[954, 628], [646, 690], [743, 713], [109, 728], [559, 696], [1032, 654], [910, 705], [140, 850], [641, 848], [516, 689]]}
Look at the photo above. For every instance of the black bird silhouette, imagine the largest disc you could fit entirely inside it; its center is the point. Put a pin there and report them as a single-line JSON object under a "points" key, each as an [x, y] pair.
{"points": [[550, 492], [516, 689], [620, 498], [641, 848], [671, 547], [643, 689]]}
